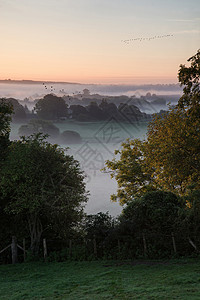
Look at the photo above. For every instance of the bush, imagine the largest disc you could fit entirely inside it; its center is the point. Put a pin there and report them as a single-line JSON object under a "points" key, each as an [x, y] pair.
{"points": [[36, 126], [70, 137]]}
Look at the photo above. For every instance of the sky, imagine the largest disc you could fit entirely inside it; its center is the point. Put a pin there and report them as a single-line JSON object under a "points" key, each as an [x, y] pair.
{"points": [[97, 41]]}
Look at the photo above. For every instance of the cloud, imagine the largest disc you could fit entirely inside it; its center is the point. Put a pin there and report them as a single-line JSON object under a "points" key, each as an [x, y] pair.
{"points": [[193, 20], [181, 20], [189, 31]]}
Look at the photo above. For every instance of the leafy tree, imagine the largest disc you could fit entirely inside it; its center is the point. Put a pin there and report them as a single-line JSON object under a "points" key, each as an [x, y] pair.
{"points": [[173, 148], [173, 151], [170, 157], [42, 185], [153, 218], [98, 225], [6, 110], [79, 112], [101, 227], [108, 109], [94, 111], [51, 107], [19, 112], [191, 215], [155, 211], [130, 171], [130, 112], [189, 77]]}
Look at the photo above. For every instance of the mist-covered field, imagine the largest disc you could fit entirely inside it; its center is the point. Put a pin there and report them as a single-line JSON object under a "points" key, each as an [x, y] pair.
{"points": [[99, 140]]}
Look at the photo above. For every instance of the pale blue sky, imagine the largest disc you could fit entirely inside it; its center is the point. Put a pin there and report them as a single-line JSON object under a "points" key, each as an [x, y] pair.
{"points": [[81, 40]]}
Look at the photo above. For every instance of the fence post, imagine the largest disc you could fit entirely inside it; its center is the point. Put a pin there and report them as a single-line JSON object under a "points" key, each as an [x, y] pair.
{"points": [[70, 248], [24, 248], [85, 247], [95, 245], [45, 248], [174, 242], [14, 250], [144, 243], [192, 243], [119, 246]]}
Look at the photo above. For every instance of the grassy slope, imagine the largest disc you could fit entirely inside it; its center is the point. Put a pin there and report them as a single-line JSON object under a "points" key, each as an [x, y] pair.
{"points": [[101, 280]]}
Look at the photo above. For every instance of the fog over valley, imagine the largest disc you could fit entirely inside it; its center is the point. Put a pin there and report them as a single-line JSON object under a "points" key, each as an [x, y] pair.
{"points": [[34, 89], [97, 122]]}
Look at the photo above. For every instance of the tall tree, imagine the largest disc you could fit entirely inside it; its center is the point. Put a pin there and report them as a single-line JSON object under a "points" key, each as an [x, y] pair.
{"points": [[51, 107], [6, 111], [19, 113], [44, 185], [170, 157], [129, 169], [189, 77], [173, 151], [173, 147], [153, 212]]}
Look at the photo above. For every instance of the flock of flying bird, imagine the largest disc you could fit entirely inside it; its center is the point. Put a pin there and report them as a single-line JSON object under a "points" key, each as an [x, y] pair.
{"points": [[147, 38], [52, 89]]}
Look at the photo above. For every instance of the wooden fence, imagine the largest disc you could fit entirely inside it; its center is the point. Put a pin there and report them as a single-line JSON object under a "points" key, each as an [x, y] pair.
{"points": [[94, 246], [14, 249]]}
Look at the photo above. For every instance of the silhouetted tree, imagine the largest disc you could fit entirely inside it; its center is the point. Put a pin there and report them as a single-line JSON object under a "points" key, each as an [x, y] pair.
{"points": [[51, 107]]}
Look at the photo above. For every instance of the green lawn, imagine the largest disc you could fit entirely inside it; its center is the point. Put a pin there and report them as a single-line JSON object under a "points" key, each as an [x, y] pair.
{"points": [[101, 280]]}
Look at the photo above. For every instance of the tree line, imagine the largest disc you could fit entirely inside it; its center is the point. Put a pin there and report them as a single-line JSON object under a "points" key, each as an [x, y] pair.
{"points": [[54, 108]]}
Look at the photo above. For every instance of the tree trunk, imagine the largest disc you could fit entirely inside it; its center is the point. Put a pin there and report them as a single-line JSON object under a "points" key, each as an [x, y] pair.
{"points": [[35, 228]]}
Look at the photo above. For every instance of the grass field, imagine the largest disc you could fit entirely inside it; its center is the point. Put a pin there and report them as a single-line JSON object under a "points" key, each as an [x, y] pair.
{"points": [[94, 280]]}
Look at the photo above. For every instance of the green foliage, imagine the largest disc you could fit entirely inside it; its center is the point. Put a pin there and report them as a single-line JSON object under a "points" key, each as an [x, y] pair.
{"points": [[130, 171], [42, 184], [189, 78], [154, 212], [51, 108], [191, 216], [6, 110], [170, 158], [172, 151], [98, 225]]}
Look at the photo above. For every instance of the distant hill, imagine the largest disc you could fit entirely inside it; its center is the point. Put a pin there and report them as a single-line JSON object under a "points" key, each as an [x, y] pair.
{"points": [[117, 88], [35, 82]]}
